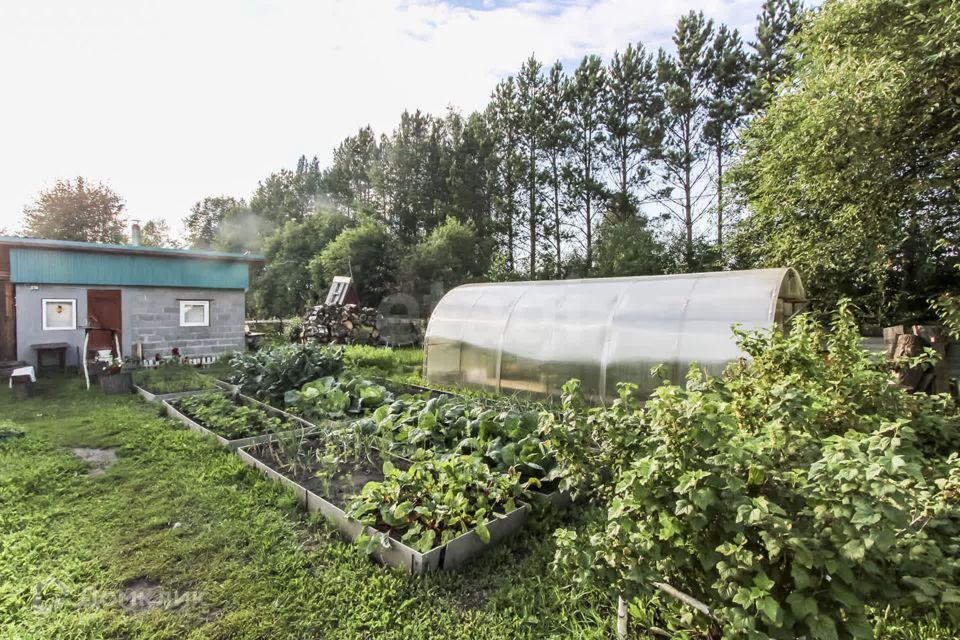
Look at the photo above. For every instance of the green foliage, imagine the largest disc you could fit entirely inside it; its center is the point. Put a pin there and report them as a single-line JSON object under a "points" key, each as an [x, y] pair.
{"points": [[156, 233], [627, 248], [436, 500], [503, 438], [368, 251], [790, 494], [852, 172], [76, 211], [269, 373], [172, 378], [288, 195], [399, 365], [330, 397], [772, 61], [226, 417], [286, 285], [206, 216], [451, 255]]}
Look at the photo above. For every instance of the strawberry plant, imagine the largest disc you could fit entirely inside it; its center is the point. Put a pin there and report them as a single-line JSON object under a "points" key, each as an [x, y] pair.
{"points": [[227, 418], [793, 494], [437, 499], [268, 374]]}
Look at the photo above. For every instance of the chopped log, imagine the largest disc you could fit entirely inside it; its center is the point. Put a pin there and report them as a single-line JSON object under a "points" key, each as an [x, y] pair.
{"points": [[341, 324]]}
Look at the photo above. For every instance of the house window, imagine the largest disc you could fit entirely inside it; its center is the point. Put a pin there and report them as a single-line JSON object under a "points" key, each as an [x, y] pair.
{"points": [[59, 314], [194, 313]]}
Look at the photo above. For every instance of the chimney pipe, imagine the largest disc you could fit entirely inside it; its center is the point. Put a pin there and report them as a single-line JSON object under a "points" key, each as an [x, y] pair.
{"points": [[135, 233]]}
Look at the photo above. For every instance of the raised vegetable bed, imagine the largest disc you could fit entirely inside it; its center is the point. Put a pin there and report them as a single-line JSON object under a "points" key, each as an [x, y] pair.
{"points": [[160, 397], [170, 381], [227, 386], [330, 500], [288, 424]]}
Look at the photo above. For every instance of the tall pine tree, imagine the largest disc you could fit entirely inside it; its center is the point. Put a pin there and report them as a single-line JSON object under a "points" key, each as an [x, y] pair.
{"points": [[588, 89], [556, 143], [502, 113], [729, 85], [631, 116], [530, 114], [778, 20], [686, 83]]}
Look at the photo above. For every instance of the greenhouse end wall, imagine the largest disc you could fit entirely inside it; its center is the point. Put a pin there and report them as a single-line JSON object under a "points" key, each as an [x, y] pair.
{"points": [[532, 337]]}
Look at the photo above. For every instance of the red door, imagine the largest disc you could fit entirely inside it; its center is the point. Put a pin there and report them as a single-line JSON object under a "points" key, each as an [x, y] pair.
{"points": [[103, 317]]}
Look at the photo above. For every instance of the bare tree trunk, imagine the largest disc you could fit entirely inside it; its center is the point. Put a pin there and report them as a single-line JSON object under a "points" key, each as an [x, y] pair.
{"points": [[532, 221], [719, 194], [556, 218], [687, 198]]}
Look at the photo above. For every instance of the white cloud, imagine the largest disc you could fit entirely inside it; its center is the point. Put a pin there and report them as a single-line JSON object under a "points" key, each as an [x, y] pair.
{"points": [[173, 101]]}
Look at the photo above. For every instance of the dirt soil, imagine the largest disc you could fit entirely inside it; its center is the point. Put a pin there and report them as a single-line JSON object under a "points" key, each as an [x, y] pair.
{"points": [[346, 483], [98, 459]]}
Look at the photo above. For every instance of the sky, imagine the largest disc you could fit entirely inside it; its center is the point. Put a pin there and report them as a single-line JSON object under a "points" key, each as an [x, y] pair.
{"points": [[169, 102]]}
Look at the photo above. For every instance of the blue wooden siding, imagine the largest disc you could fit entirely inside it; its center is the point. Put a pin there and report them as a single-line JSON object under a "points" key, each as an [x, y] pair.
{"points": [[44, 266]]}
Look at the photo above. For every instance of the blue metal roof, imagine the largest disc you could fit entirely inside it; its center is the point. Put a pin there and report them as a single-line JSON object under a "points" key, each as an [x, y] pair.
{"points": [[83, 263]]}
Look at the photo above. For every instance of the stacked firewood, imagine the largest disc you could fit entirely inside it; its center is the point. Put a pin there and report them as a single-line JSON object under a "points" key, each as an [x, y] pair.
{"points": [[341, 324], [903, 346]]}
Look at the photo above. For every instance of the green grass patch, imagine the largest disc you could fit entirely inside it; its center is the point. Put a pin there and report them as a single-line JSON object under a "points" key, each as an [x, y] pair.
{"points": [[173, 378], [184, 515]]}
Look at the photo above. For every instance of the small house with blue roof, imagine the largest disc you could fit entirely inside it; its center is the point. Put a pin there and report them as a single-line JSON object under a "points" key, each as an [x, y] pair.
{"points": [[146, 300]]}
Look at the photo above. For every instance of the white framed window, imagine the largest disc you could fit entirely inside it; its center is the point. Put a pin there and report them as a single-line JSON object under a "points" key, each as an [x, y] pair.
{"points": [[194, 313], [59, 314]]}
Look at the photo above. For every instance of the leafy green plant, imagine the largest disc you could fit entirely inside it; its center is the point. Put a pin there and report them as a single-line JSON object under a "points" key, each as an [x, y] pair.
{"points": [[172, 378], [437, 499], [268, 374], [225, 417], [791, 495], [332, 397], [503, 438]]}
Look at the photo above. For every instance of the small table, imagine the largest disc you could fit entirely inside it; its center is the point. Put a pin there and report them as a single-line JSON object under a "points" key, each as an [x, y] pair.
{"points": [[60, 348]]}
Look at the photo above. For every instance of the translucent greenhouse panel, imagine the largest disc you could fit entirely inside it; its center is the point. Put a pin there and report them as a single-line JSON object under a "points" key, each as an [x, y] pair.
{"points": [[442, 350], [483, 332], [644, 331], [553, 333], [534, 336]]}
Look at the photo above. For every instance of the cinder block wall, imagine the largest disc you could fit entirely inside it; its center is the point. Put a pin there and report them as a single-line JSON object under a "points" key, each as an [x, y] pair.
{"points": [[152, 317]]}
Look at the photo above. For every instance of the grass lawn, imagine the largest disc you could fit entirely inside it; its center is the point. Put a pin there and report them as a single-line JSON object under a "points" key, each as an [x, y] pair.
{"points": [[178, 515]]}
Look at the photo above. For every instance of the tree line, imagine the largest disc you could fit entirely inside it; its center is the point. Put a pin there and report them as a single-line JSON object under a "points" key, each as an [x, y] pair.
{"points": [[610, 168], [826, 142]]}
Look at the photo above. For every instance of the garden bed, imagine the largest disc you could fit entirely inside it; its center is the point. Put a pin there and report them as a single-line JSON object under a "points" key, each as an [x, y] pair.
{"points": [[170, 381], [160, 397], [330, 499], [227, 386], [288, 424]]}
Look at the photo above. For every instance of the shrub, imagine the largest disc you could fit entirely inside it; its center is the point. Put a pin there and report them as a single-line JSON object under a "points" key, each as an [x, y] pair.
{"points": [[789, 494]]}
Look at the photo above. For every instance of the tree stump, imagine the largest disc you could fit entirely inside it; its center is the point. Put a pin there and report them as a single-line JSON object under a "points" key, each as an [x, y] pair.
{"points": [[908, 345]]}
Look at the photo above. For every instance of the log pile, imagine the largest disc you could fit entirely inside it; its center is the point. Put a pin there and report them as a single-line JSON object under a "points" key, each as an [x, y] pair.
{"points": [[341, 324], [906, 342]]}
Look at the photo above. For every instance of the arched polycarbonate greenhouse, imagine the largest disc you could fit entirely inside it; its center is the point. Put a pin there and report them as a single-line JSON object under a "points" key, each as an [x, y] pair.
{"points": [[534, 336]]}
